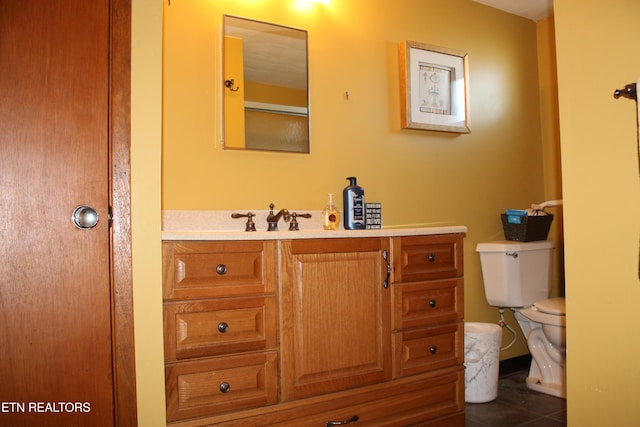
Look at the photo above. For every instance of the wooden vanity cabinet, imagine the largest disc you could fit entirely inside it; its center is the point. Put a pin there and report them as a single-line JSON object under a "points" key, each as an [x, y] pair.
{"points": [[321, 331]]}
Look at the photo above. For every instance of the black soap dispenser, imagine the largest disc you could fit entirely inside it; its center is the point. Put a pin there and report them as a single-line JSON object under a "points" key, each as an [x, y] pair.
{"points": [[354, 209]]}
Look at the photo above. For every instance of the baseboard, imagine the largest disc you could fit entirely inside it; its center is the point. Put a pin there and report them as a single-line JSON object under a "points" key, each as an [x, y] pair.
{"points": [[516, 364]]}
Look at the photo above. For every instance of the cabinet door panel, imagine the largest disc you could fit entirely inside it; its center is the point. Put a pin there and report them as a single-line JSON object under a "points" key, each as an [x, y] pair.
{"points": [[334, 315]]}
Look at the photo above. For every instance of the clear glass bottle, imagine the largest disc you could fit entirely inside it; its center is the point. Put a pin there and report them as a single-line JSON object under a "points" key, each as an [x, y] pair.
{"points": [[330, 215]]}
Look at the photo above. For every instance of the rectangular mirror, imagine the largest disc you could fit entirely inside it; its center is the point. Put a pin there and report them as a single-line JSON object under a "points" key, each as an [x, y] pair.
{"points": [[266, 94]]}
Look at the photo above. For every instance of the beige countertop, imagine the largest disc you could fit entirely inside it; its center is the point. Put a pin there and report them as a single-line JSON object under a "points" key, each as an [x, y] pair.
{"points": [[218, 225]]}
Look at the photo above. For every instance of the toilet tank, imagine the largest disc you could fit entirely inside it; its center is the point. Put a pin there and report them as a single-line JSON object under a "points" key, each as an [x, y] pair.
{"points": [[516, 274]]}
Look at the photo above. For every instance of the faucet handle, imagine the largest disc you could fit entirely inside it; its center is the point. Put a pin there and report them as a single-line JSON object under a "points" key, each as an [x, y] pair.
{"points": [[293, 225], [250, 226], [304, 215]]}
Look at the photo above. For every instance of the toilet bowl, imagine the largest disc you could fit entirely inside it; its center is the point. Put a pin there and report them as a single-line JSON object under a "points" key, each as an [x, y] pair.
{"points": [[543, 325]]}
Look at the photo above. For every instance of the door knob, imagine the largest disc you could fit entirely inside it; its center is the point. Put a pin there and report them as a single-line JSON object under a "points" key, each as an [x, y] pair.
{"points": [[85, 217]]}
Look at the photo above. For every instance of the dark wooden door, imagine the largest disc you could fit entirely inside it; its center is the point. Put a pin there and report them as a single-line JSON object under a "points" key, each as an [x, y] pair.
{"points": [[55, 298]]}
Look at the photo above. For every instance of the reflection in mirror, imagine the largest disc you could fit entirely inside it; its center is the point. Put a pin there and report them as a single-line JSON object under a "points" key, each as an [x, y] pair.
{"points": [[266, 97]]}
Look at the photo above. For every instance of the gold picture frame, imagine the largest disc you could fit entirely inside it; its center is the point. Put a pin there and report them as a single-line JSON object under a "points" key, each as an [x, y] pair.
{"points": [[434, 92]]}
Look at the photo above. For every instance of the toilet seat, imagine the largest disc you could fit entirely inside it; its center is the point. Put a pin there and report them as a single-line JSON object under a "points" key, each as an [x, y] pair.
{"points": [[553, 306]]}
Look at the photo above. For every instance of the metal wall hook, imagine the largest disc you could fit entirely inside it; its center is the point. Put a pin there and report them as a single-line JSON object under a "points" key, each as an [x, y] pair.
{"points": [[229, 85], [629, 91]]}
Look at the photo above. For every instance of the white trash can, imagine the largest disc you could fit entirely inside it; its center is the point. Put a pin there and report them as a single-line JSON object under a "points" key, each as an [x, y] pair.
{"points": [[482, 361]]}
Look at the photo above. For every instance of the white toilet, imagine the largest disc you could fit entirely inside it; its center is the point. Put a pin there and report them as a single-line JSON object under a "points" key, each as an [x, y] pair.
{"points": [[517, 275]]}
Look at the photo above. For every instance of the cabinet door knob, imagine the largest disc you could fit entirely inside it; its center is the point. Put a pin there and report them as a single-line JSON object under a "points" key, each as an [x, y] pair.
{"points": [[432, 257], [225, 387], [433, 349], [221, 269], [223, 327], [433, 303]]}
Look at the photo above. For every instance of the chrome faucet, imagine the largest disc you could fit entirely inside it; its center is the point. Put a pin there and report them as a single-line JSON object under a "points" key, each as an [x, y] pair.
{"points": [[273, 219]]}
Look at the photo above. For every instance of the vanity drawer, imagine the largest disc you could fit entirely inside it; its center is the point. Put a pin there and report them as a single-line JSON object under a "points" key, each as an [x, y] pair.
{"points": [[419, 258], [425, 400], [213, 327], [412, 405], [213, 386], [427, 349], [422, 304], [216, 269]]}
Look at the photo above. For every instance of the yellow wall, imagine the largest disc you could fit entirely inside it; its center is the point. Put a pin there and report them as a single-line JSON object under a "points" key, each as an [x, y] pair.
{"points": [[597, 50], [234, 101], [259, 92], [420, 177], [550, 138], [146, 142]]}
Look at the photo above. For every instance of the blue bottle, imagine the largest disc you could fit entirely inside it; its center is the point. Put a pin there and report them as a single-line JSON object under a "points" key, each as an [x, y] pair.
{"points": [[354, 209]]}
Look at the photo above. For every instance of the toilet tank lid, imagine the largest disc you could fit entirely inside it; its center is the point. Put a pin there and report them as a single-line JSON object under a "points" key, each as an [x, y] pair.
{"points": [[513, 246], [552, 306]]}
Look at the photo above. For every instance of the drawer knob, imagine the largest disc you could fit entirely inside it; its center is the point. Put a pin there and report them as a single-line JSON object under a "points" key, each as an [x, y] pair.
{"points": [[221, 269], [223, 327], [342, 423], [433, 349], [225, 387], [433, 303], [432, 257]]}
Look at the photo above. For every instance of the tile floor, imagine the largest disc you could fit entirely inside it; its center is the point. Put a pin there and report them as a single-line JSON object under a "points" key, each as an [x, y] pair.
{"points": [[516, 405]]}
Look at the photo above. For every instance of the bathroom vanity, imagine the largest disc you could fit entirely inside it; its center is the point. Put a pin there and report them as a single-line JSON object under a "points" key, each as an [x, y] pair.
{"points": [[319, 328]]}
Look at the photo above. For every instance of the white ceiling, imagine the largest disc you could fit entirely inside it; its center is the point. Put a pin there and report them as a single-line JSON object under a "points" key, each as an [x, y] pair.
{"points": [[273, 54], [534, 10]]}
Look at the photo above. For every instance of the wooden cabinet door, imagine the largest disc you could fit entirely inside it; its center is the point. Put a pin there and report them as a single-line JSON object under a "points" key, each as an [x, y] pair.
{"points": [[57, 118], [334, 315]]}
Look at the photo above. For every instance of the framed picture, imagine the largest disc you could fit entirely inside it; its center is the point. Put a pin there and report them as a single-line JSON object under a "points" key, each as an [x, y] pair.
{"points": [[433, 88]]}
